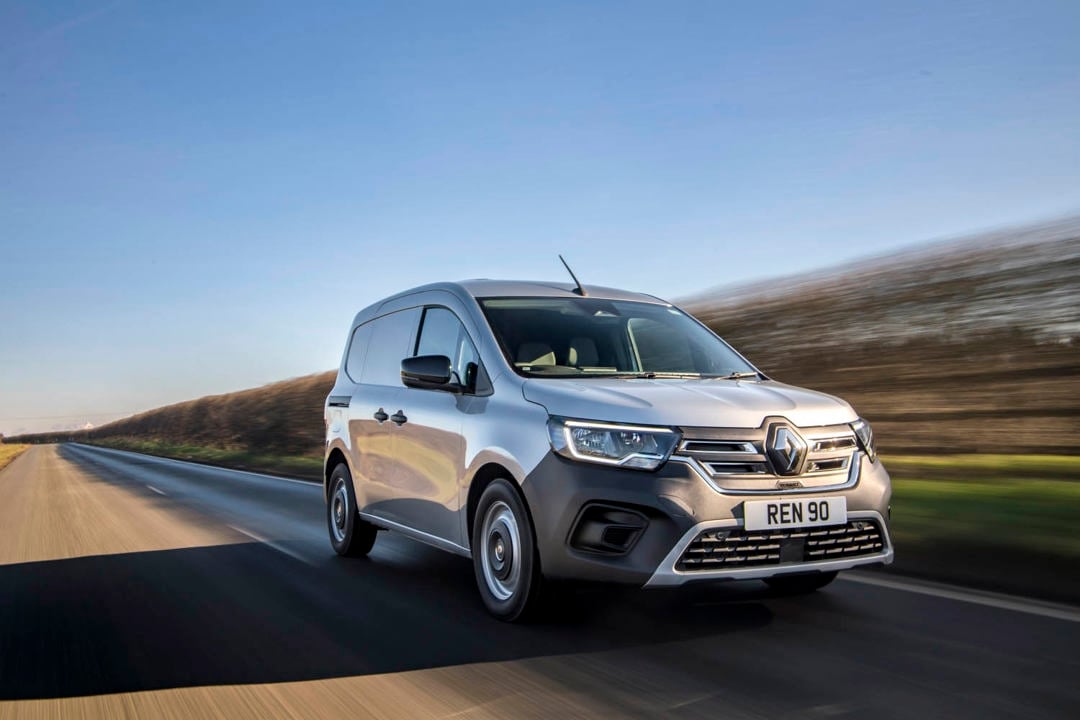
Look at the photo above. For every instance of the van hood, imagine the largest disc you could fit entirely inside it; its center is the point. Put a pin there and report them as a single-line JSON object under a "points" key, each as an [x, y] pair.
{"points": [[686, 403]]}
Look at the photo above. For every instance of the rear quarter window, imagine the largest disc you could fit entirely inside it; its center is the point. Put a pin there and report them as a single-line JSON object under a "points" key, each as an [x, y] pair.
{"points": [[358, 344]]}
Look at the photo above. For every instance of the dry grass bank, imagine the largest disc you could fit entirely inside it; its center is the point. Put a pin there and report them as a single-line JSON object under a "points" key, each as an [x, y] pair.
{"points": [[283, 419], [9, 453]]}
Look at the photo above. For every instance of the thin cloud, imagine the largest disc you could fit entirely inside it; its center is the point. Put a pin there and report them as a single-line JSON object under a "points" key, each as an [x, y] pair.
{"points": [[60, 29]]}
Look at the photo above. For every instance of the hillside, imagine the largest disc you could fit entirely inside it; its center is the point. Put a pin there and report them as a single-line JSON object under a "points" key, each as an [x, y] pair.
{"points": [[257, 427], [965, 346], [968, 346]]}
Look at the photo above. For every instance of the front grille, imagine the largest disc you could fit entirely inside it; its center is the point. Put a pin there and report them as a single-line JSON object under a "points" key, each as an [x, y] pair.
{"points": [[725, 548], [725, 457], [735, 459]]}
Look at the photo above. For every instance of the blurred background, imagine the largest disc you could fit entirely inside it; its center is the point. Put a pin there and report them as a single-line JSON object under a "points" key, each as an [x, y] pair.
{"points": [[878, 204]]}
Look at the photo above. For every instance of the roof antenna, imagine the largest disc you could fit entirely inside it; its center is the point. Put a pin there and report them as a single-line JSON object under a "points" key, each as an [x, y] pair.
{"points": [[579, 289]]}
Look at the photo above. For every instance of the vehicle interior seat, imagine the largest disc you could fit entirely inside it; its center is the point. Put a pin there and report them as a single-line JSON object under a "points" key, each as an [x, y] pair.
{"points": [[583, 353], [535, 353]]}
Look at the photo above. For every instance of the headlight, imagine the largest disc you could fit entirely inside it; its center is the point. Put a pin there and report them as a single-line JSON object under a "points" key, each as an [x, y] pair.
{"points": [[631, 446], [865, 436]]}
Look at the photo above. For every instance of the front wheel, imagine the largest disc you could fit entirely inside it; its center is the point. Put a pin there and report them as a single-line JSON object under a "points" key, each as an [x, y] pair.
{"points": [[350, 535], [800, 584], [504, 553]]}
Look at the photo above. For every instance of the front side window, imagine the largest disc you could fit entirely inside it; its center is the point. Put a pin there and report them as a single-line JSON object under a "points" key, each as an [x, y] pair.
{"points": [[390, 336], [441, 333], [575, 337]]}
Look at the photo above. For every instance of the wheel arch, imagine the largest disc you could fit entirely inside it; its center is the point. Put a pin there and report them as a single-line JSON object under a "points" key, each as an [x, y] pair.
{"points": [[484, 476], [336, 457]]}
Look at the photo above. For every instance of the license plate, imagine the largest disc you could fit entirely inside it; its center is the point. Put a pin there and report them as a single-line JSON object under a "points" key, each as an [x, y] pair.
{"points": [[800, 512]]}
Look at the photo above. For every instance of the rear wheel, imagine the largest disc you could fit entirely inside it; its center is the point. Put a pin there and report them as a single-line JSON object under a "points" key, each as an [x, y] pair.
{"points": [[800, 584], [350, 535], [504, 554]]}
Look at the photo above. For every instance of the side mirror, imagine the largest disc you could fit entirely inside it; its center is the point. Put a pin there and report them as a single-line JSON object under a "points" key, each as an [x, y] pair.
{"points": [[429, 372]]}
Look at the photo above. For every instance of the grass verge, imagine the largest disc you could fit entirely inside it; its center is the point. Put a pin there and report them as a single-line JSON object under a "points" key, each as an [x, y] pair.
{"points": [[1039, 516], [985, 467], [1002, 522], [9, 453], [307, 468]]}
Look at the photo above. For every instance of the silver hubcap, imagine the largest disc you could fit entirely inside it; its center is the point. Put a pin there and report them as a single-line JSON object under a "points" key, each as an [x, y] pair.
{"points": [[500, 551], [339, 511]]}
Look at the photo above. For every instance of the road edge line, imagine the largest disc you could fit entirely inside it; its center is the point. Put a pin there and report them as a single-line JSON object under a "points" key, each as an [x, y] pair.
{"points": [[270, 543], [1016, 603]]}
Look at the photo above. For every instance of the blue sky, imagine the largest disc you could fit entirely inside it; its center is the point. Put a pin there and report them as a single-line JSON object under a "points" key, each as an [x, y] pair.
{"points": [[197, 197]]}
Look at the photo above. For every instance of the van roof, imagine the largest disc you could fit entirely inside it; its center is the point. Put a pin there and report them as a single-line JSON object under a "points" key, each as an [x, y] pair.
{"points": [[484, 288]]}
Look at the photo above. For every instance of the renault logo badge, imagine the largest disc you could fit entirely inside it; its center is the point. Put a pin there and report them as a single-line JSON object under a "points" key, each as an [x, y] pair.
{"points": [[786, 449]]}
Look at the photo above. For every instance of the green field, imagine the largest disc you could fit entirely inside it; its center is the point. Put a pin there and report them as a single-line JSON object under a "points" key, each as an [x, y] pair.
{"points": [[9, 453], [985, 467], [1017, 500]]}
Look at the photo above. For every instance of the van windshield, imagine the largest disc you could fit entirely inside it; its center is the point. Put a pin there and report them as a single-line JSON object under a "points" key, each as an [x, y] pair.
{"points": [[576, 337]]}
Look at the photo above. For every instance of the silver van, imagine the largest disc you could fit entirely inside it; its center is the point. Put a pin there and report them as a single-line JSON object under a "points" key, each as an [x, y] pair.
{"points": [[549, 431]]}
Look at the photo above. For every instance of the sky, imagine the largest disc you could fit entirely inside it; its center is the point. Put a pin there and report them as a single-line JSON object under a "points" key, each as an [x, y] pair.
{"points": [[197, 197]]}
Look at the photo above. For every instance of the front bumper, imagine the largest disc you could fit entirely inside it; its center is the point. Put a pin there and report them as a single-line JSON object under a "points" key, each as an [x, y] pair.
{"points": [[675, 504], [668, 572]]}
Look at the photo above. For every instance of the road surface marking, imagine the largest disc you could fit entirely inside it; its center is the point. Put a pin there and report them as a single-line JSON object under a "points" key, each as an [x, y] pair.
{"points": [[977, 597], [159, 492], [277, 546]]}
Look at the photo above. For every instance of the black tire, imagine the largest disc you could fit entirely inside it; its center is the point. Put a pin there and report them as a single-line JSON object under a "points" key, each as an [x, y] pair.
{"points": [[800, 584], [350, 535], [505, 560]]}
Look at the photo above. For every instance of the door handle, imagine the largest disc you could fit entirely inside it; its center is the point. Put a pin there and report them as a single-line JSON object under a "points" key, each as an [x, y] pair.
{"points": [[399, 418], [381, 416]]}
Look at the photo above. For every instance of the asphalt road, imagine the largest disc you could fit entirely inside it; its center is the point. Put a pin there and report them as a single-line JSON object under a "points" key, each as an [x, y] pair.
{"points": [[137, 587]]}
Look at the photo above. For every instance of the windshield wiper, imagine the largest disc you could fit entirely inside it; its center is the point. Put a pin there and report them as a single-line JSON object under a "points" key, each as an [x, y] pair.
{"points": [[650, 374], [562, 372]]}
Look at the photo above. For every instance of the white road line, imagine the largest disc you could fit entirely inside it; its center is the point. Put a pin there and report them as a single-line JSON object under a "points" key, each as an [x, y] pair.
{"points": [[977, 597], [277, 546], [159, 492]]}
